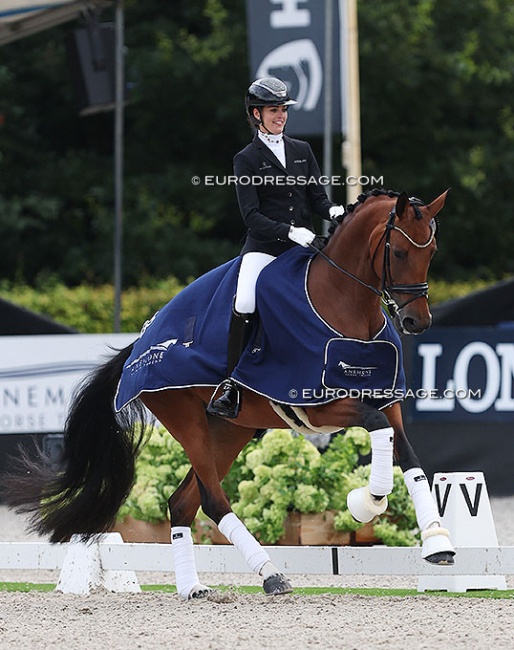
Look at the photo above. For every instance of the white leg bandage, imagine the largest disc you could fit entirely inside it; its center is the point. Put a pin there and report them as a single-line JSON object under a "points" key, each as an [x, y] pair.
{"points": [[424, 504], [239, 535], [381, 476], [186, 576]]}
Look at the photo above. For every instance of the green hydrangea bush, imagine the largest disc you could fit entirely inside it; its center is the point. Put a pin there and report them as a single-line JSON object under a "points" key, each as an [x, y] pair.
{"points": [[274, 475], [160, 468]]}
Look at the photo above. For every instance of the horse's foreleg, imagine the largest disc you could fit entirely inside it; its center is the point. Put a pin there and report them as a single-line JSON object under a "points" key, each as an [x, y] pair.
{"points": [[437, 547], [367, 502]]}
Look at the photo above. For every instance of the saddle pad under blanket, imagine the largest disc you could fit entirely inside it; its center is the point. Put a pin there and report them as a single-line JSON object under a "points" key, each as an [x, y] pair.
{"points": [[298, 359]]}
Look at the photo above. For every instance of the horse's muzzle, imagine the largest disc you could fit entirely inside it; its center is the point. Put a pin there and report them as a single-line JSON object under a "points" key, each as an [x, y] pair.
{"points": [[409, 324]]}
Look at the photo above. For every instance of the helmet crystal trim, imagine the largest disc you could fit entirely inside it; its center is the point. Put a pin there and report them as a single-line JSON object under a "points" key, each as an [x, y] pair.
{"points": [[266, 91]]}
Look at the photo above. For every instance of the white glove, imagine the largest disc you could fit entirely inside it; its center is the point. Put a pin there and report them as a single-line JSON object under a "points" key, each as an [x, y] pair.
{"points": [[336, 211], [302, 236]]}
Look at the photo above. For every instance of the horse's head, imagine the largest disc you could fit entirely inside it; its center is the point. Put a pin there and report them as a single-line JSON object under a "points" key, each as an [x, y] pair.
{"points": [[401, 255]]}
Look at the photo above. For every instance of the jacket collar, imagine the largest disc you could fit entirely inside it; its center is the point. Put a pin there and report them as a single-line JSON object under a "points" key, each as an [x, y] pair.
{"points": [[267, 153]]}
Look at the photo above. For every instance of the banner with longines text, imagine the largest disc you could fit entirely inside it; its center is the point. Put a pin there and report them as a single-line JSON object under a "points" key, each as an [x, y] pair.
{"points": [[39, 373], [287, 40], [462, 374]]}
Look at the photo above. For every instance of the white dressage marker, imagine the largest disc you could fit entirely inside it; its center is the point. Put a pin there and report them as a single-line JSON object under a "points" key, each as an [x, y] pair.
{"points": [[463, 503], [83, 571]]}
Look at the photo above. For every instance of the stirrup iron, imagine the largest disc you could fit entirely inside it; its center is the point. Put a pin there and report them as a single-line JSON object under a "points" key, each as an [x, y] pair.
{"points": [[228, 405]]}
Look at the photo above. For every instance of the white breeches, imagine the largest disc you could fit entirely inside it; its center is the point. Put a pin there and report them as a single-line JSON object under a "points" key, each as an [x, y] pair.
{"points": [[251, 266]]}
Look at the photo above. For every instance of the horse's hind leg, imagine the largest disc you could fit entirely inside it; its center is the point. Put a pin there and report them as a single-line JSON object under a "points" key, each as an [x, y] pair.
{"points": [[183, 506], [211, 452]]}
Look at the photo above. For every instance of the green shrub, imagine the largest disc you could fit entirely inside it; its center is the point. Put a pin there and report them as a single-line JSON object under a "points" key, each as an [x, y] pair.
{"points": [[273, 476], [90, 309]]}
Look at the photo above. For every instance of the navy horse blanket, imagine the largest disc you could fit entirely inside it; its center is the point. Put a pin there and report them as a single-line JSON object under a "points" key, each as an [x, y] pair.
{"points": [[293, 357]]}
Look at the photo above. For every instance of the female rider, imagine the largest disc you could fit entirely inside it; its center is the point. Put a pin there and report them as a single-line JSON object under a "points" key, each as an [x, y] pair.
{"points": [[278, 186]]}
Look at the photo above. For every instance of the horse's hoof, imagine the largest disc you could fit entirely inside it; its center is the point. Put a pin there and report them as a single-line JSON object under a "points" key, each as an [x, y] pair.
{"points": [[442, 559], [437, 547], [277, 585], [363, 507], [199, 591]]}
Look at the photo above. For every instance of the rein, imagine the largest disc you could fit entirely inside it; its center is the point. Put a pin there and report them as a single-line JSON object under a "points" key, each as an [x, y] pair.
{"points": [[417, 289], [350, 275]]}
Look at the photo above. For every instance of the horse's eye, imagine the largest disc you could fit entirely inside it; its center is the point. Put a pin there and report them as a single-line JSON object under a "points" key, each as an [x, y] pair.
{"points": [[400, 254]]}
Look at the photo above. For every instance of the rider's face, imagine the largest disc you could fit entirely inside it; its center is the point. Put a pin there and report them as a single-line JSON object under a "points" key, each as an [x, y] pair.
{"points": [[273, 118]]}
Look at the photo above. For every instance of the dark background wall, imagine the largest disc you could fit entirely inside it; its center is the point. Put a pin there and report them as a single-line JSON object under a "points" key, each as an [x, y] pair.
{"points": [[459, 440]]}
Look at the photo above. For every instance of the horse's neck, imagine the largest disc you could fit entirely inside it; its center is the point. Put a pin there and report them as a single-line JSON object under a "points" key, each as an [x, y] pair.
{"points": [[343, 302]]}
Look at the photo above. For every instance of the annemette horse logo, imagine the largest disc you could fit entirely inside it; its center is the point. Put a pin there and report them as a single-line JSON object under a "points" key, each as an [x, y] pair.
{"points": [[355, 371]]}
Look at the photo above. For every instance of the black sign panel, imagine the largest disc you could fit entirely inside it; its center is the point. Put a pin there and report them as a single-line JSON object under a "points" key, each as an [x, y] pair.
{"points": [[287, 40], [462, 374]]}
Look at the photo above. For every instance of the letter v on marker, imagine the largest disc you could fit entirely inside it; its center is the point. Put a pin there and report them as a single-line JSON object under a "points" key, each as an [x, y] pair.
{"points": [[441, 507], [472, 507]]}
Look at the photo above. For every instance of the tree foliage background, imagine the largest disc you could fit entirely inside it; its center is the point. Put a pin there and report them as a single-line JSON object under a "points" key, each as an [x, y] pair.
{"points": [[437, 81]]}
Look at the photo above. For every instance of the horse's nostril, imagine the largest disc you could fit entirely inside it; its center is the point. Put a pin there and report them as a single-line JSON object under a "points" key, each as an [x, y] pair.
{"points": [[409, 324]]}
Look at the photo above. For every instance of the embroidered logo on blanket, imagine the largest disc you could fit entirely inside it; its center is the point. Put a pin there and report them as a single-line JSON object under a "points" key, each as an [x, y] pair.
{"points": [[355, 371], [154, 354]]}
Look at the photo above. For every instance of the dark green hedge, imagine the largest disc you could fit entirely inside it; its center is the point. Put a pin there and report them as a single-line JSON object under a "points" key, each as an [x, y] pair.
{"points": [[91, 309]]}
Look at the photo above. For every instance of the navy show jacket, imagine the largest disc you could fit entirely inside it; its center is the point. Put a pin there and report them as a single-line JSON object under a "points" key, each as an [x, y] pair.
{"points": [[272, 198]]}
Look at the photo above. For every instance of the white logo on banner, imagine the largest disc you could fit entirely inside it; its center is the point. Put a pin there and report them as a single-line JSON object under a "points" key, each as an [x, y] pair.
{"points": [[38, 375], [302, 58], [498, 362]]}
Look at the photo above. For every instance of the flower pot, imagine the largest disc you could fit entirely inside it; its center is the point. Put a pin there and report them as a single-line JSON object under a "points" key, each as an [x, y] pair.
{"points": [[301, 529], [312, 529], [364, 536], [134, 530]]}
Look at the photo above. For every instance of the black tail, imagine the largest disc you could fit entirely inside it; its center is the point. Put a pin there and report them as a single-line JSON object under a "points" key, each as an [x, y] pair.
{"points": [[97, 469]]}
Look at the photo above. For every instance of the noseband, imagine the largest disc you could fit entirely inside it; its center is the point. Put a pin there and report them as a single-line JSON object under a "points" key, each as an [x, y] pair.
{"points": [[416, 290]]}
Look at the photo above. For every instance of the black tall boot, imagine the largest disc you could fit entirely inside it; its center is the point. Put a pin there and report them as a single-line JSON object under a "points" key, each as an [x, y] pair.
{"points": [[228, 404]]}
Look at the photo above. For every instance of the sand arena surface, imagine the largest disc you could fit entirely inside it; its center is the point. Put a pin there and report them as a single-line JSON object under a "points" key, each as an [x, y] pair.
{"points": [[228, 620], [233, 621]]}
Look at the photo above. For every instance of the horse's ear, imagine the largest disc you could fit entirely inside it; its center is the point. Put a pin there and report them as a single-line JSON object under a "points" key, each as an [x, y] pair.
{"points": [[402, 203], [437, 204]]}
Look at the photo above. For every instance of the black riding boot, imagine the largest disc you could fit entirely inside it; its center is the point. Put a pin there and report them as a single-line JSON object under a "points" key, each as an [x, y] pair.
{"points": [[228, 404]]}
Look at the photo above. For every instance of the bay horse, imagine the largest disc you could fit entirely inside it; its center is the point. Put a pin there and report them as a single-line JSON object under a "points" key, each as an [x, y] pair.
{"points": [[380, 250]]}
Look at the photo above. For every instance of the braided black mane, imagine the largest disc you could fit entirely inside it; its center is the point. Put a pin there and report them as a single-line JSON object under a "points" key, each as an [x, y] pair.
{"points": [[366, 195]]}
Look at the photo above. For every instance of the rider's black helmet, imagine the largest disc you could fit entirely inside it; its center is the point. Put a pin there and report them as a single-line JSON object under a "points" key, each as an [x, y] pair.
{"points": [[267, 91]]}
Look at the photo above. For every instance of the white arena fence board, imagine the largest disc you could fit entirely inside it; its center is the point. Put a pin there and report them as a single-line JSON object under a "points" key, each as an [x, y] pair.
{"points": [[31, 555], [328, 560]]}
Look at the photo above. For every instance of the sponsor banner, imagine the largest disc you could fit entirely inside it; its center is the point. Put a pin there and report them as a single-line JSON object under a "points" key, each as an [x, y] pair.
{"points": [[462, 374], [38, 375], [287, 40]]}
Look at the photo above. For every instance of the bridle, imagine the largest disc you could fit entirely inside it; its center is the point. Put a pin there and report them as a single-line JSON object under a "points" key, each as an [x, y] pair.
{"points": [[416, 289]]}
